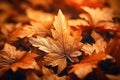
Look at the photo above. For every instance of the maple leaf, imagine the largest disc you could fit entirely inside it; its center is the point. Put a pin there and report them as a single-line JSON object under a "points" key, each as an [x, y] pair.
{"points": [[41, 23], [14, 59], [99, 46], [29, 30], [101, 14], [97, 18], [62, 46], [87, 64]]}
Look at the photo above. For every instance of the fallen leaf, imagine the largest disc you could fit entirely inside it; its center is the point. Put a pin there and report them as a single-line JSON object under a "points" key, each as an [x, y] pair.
{"points": [[27, 62], [101, 21], [62, 44], [29, 30], [100, 44], [101, 14], [9, 55], [14, 59], [87, 64]]}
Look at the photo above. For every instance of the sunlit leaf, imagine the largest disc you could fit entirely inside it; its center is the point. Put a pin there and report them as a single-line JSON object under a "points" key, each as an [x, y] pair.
{"points": [[61, 46]]}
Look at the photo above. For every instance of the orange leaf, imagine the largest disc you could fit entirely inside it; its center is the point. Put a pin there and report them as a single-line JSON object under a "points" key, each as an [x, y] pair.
{"points": [[64, 44], [27, 62], [85, 66]]}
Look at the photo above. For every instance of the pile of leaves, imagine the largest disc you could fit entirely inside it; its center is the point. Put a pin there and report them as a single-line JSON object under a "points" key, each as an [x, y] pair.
{"points": [[59, 40]]}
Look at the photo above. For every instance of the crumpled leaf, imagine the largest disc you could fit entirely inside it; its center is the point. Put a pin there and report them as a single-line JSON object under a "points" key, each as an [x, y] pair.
{"points": [[9, 55], [27, 62], [14, 59], [102, 20], [100, 12], [61, 46], [87, 64], [28, 31], [99, 46], [41, 23]]}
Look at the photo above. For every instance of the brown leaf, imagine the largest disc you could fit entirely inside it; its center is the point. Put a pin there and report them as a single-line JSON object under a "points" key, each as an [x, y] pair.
{"points": [[14, 59], [87, 64], [61, 46], [101, 21], [101, 14], [100, 44], [27, 62], [29, 31], [10, 55]]}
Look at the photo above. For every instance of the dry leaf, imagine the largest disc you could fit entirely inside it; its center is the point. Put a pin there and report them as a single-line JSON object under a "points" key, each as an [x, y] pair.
{"points": [[100, 44], [87, 64], [102, 21], [9, 55], [62, 46], [27, 62], [14, 59], [29, 31], [100, 12], [41, 23]]}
